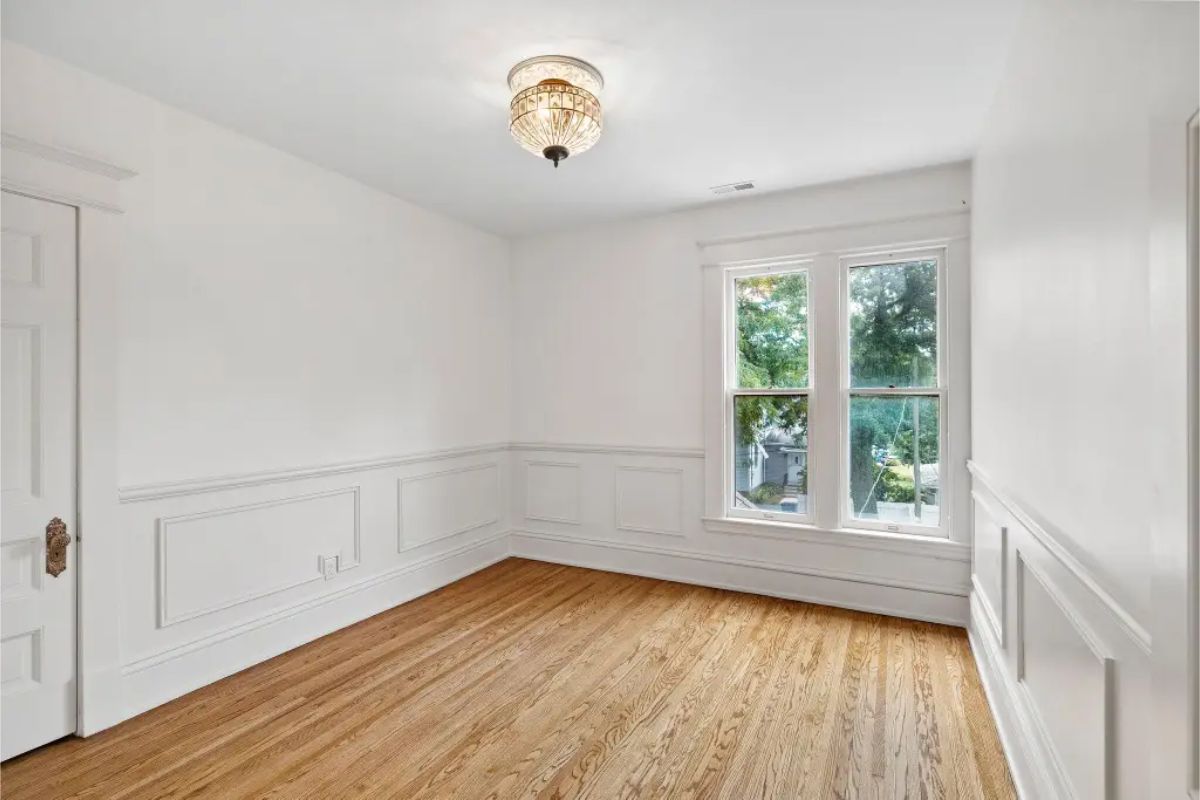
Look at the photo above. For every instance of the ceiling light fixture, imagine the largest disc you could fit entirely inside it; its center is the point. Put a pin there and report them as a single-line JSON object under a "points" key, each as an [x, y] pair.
{"points": [[554, 111]]}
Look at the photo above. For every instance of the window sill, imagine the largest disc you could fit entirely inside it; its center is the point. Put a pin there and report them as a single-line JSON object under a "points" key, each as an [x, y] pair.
{"points": [[904, 543]]}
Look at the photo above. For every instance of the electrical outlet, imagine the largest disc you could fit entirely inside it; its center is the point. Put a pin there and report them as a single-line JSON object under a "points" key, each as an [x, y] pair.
{"points": [[329, 566]]}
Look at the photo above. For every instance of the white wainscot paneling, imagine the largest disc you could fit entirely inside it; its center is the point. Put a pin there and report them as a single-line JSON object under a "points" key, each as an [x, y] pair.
{"points": [[552, 491], [438, 505], [1068, 678], [648, 499], [989, 566], [217, 559]]}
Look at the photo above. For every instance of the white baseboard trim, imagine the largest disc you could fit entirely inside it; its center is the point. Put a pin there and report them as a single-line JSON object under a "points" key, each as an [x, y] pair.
{"points": [[1026, 762], [945, 605], [161, 677]]}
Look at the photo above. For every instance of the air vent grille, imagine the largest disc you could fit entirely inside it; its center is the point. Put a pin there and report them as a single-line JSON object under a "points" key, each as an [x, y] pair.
{"points": [[726, 188]]}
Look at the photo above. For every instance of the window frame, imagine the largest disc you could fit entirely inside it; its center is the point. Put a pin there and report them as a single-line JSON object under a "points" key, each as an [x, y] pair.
{"points": [[731, 391], [846, 518]]}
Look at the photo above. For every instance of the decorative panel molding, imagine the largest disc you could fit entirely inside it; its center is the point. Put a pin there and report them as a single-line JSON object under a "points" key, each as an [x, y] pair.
{"points": [[214, 560], [552, 491], [438, 505], [1070, 678], [1050, 543], [990, 567], [648, 499], [1067, 675]]}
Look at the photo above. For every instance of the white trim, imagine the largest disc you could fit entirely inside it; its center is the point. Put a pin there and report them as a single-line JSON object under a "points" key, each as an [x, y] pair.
{"points": [[1018, 739], [65, 198], [404, 548], [165, 619], [1193, 412], [72, 158], [900, 543], [953, 590], [997, 617], [1055, 766], [157, 491], [618, 449], [819, 229], [913, 602], [199, 643], [1122, 617]]}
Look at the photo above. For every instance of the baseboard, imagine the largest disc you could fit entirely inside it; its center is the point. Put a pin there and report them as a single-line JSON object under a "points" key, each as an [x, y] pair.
{"points": [[162, 677], [702, 569], [1026, 761]]}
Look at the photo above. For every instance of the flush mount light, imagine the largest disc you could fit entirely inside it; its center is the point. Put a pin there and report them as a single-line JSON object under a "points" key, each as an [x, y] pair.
{"points": [[555, 112]]}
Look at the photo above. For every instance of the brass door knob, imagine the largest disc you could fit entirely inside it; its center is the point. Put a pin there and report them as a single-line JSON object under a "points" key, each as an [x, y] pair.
{"points": [[57, 540]]}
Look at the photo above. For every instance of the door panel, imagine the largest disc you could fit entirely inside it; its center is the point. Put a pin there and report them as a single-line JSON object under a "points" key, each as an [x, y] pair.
{"points": [[37, 471]]}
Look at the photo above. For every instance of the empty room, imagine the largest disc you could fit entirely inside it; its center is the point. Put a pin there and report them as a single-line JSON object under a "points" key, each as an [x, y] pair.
{"points": [[745, 399]]}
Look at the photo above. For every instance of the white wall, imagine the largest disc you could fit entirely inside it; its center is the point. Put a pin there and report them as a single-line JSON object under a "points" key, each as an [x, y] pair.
{"points": [[1078, 334], [609, 396], [274, 314], [305, 367], [607, 319]]}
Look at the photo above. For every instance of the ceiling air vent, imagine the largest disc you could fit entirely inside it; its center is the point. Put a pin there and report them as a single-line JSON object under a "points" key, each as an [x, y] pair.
{"points": [[726, 188]]}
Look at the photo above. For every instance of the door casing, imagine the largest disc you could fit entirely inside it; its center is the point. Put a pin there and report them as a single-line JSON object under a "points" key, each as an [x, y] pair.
{"points": [[93, 186]]}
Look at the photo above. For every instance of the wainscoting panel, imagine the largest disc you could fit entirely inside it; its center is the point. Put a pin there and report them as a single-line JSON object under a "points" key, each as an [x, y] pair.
{"points": [[213, 560], [640, 511], [1069, 667], [446, 503], [648, 499], [552, 491], [989, 563], [1068, 677], [224, 572]]}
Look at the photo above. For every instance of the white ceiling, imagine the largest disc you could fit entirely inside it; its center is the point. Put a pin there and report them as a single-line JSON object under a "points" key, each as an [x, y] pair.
{"points": [[410, 97]]}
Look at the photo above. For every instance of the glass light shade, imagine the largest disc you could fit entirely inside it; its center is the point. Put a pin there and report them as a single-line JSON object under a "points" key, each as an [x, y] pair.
{"points": [[555, 114]]}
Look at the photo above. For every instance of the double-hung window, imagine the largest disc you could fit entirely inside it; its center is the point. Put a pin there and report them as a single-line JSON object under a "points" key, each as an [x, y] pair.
{"points": [[767, 392], [893, 393], [835, 406]]}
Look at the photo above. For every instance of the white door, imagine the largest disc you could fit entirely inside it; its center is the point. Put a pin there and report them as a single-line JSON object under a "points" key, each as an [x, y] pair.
{"points": [[37, 472]]}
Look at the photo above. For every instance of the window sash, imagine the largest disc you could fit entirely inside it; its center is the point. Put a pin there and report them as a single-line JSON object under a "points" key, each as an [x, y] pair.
{"points": [[732, 390], [850, 520], [847, 518]]}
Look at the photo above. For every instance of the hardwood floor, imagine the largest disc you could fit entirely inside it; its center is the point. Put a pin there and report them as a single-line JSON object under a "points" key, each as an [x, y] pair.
{"points": [[535, 680]]}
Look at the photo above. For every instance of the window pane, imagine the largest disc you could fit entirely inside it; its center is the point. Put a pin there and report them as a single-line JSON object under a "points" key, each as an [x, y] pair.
{"points": [[893, 324], [772, 331], [770, 453], [895, 472]]}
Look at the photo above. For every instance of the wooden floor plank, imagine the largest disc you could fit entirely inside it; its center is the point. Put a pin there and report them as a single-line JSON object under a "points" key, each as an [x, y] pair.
{"points": [[536, 680]]}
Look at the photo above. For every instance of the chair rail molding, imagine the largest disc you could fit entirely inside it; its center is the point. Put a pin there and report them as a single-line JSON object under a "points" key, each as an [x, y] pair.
{"points": [[138, 493], [1136, 631]]}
